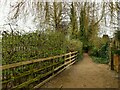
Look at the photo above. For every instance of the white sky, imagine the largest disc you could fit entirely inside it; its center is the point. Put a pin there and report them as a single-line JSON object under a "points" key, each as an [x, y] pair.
{"points": [[5, 8], [4, 11]]}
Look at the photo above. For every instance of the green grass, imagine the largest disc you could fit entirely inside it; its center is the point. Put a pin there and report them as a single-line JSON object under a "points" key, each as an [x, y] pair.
{"points": [[100, 60]]}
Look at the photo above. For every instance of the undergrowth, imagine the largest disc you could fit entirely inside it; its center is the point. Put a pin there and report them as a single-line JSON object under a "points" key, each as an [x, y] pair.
{"points": [[100, 60]]}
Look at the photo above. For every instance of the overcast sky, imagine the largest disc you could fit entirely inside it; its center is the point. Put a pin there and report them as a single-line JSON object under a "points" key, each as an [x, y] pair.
{"points": [[5, 8]]}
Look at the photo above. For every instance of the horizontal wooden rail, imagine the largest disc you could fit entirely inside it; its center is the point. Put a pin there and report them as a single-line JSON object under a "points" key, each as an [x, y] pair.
{"points": [[24, 74], [40, 84], [70, 57], [32, 61], [28, 72]]}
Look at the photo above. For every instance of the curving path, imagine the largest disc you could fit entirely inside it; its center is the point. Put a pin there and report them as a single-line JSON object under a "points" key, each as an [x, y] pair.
{"points": [[85, 74]]}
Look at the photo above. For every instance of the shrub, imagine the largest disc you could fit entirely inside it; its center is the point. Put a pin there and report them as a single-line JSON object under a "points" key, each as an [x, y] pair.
{"points": [[100, 60], [75, 45], [94, 52], [117, 52], [103, 51], [101, 55], [117, 35], [18, 47]]}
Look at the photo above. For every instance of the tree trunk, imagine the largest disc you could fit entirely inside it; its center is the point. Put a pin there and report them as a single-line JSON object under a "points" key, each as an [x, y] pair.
{"points": [[118, 19]]}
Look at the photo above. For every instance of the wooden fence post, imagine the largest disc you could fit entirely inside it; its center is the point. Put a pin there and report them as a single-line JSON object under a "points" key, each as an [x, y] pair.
{"points": [[70, 56], [53, 66], [111, 57], [26, 77], [119, 68]]}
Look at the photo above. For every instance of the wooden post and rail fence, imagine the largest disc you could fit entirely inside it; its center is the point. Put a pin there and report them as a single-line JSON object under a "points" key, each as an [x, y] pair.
{"points": [[114, 60], [35, 73]]}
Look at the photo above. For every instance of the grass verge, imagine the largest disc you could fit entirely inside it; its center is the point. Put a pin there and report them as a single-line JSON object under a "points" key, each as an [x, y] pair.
{"points": [[100, 60]]}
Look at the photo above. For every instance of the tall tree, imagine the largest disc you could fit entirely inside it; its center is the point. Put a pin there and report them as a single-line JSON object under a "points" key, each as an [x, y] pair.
{"points": [[73, 20], [118, 15], [57, 17], [47, 12]]}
